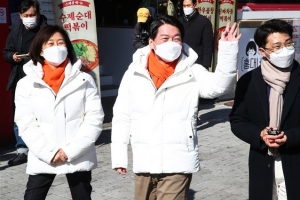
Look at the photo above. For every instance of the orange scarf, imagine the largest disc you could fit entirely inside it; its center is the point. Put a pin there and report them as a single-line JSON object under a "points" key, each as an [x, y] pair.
{"points": [[160, 71], [54, 78]]}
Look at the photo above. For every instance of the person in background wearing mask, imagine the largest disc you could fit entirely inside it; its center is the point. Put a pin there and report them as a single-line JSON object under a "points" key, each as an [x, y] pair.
{"points": [[266, 114], [18, 42], [59, 115], [157, 108], [140, 35], [198, 33]]}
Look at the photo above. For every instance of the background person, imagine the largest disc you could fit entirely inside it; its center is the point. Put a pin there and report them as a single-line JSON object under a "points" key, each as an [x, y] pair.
{"points": [[198, 33], [157, 106], [18, 42], [140, 35], [268, 97], [59, 115]]}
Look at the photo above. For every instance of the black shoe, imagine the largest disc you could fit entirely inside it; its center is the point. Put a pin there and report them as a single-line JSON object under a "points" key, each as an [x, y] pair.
{"points": [[18, 160], [207, 101]]}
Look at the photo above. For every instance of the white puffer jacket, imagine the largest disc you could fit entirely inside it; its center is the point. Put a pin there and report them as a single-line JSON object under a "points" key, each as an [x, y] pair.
{"points": [[71, 120], [161, 124]]}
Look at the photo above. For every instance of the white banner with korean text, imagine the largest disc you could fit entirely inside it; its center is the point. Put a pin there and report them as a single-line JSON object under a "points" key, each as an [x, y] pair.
{"points": [[78, 18]]}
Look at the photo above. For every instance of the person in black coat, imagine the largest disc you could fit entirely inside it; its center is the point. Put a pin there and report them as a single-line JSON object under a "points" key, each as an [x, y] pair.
{"points": [[140, 35], [18, 42], [266, 115], [198, 33]]}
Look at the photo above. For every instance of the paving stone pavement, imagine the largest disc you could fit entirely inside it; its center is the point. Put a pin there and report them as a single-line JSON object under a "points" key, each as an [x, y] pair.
{"points": [[223, 175]]}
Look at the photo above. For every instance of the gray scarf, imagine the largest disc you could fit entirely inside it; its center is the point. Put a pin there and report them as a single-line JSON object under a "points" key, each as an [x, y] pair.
{"points": [[276, 78]]}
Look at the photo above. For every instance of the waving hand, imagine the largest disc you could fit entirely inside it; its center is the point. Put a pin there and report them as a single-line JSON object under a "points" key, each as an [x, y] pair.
{"points": [[230, 33]]}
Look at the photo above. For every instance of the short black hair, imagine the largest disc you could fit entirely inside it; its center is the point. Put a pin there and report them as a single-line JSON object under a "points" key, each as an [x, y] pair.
{"points": [[194, 2], [251, 45], [27, 4], [165, 19], [271, 26], [42, 37]]}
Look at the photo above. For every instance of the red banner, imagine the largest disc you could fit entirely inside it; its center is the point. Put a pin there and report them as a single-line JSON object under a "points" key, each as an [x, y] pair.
{"points": [[208, 1], [226, 1], [74, 3]]}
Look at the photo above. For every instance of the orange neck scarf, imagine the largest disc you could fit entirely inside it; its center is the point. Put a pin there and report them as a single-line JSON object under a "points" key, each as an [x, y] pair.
{"points": [[158, 70], [54, 78]]}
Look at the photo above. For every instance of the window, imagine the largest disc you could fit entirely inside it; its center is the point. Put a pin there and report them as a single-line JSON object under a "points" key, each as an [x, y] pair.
{"points": [[122, 13]]}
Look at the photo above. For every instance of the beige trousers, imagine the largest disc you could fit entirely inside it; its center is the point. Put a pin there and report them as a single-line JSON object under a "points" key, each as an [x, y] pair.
{"points": [[162, 186]]}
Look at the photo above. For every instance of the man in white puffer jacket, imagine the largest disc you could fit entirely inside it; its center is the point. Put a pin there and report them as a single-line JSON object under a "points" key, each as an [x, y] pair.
{"points": [[157, 106]]}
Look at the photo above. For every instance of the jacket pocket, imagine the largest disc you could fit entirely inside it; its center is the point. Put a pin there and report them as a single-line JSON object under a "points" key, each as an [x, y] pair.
{"points": [[191, 134]]}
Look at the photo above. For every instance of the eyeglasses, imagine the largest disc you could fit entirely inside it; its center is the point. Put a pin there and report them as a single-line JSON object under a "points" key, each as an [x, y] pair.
{"points": [[278, 49]]}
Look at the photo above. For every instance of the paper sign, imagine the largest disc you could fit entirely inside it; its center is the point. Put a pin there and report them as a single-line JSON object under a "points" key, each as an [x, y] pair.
{"points": [[3, 15]]}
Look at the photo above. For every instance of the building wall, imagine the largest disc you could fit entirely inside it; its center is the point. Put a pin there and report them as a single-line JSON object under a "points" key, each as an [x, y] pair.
{"points": [[115, 51]]}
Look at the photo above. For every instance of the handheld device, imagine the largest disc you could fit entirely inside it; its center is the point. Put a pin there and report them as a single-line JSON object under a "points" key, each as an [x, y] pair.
{"points": [[273, 132], [22, 55]]}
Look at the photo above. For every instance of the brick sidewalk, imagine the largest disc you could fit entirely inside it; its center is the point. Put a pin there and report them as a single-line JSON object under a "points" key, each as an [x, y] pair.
{"points": [[223, 175]]}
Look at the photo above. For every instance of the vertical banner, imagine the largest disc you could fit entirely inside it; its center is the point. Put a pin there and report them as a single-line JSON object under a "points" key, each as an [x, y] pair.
{"points": [[207, 8], [78, 18], [226, 13]]}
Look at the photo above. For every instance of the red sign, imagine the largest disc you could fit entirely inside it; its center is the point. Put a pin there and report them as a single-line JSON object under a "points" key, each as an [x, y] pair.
{"points": [[74, 3], [208, 1], [226, 1]]}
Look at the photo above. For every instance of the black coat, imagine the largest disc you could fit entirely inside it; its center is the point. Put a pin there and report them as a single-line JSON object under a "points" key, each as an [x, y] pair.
{"points": [[199, 36], [140, 35], [13, 44], [250, 115]]}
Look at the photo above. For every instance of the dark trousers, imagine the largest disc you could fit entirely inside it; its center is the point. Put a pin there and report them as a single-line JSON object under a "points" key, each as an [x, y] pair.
{"points": [[79, 183]]}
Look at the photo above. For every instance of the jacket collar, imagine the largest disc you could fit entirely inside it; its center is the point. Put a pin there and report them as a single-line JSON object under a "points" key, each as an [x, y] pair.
{"points": [[262, 92], [190, 17], [36, 71], [291, 91], [186, 60]]}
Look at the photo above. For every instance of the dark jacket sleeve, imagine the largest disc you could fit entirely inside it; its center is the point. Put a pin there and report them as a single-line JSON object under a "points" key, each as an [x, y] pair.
{"points": [[9, 49], [208, 44], [136, 40], [240, 122]]}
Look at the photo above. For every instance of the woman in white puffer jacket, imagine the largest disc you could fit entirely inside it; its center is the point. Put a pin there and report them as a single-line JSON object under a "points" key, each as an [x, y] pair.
{"points": [[59, 115]]}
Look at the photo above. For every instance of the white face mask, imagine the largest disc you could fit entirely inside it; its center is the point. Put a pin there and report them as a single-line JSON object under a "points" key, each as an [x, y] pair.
{"points": [[188, 11], [30, 22], [55, 55], [284, 59], [168, 51]]}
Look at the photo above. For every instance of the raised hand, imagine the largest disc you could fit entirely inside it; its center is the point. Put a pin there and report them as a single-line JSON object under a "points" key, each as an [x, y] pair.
{"points": [[230, 33]]}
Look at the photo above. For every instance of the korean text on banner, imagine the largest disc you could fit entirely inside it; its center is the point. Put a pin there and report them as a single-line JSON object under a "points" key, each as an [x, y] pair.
{"points": [[226, 13], [207, 8], [79, 20]]}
